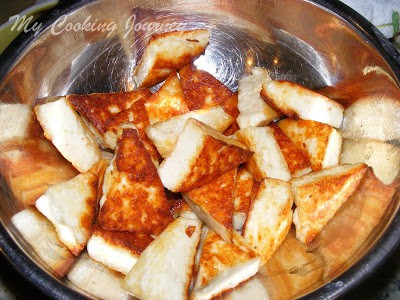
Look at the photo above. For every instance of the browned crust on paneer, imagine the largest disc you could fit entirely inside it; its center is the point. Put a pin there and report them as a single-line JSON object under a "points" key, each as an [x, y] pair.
{"points": [[89, 217], [295, 157], [201, 89], [231, 108], [216, 198], [136, 201], [244, 193], [168, 101], [177, 61], [135, 243], [229, 158], [98, 108], [137, 115], [277, 107]]}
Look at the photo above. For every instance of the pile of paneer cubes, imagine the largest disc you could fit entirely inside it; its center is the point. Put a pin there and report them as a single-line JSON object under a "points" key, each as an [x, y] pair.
{"points": [[185, 193]]}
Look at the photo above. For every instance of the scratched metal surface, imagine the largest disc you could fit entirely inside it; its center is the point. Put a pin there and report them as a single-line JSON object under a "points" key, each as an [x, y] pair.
{"points": [[281, 36]]}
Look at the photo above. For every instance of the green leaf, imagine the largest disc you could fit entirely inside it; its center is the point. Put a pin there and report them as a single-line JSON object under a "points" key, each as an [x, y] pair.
{"points": [[395, 20]]}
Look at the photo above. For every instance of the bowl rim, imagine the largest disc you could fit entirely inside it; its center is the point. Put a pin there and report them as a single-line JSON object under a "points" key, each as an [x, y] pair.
{"points": [[341, 285]]}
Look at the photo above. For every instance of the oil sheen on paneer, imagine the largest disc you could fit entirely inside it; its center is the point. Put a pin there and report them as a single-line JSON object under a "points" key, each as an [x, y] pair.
{"points": [[133, 198]]}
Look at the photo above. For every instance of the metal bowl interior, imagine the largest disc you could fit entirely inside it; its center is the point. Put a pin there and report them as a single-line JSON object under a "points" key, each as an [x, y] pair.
{"points": [[316, 43]]}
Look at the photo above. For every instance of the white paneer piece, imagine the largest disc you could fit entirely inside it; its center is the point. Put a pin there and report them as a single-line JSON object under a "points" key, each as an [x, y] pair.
{"points": [[253, 289], [268, 159], [382, 157], [297, 101], [253, 109], [223, 266], [42, 237], [165, 268], [97, 280], [270, 217], [319, 195], [165, 134], [63, 126], [15, 120], [118, 250], [167, 52], [322, 143], [372, 118], [71, 207], [201, 155]]}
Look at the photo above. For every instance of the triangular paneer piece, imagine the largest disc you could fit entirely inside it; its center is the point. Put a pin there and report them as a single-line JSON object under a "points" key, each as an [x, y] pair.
{"points": [[41, 235], [71, 207], [136, 114], [165, 268], [168, 101], [167, 52], [253, 109], [117, 250], [270, 217], [201, 155], [133, 198], [295, 157], [165, 134], [201, 89], [97, 280], [245, 189], [319, 195], [322, 143], [213, 203], [231, 108], [223, 266], [66, 130], [268, 160], [296, 101]]}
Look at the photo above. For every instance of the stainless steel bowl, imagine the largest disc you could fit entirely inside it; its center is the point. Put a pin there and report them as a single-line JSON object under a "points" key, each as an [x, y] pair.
{"points": [[317, 43]]}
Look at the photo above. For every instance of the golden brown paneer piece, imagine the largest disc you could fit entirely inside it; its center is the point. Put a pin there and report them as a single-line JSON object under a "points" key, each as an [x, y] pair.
{"points": [[201, 89], [213, 203], [133, 198], [201, 155], [167, 52], [168, 101], [319, 195]]}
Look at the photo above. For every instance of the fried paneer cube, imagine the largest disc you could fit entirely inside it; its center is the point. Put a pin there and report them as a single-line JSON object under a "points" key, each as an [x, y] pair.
{"points": [[167, 52], [201, 155], [319, 195], [133, 198]]}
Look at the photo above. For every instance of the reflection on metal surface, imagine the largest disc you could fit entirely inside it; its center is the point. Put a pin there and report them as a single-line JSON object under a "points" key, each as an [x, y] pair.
{"points": [[321, 52]]}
